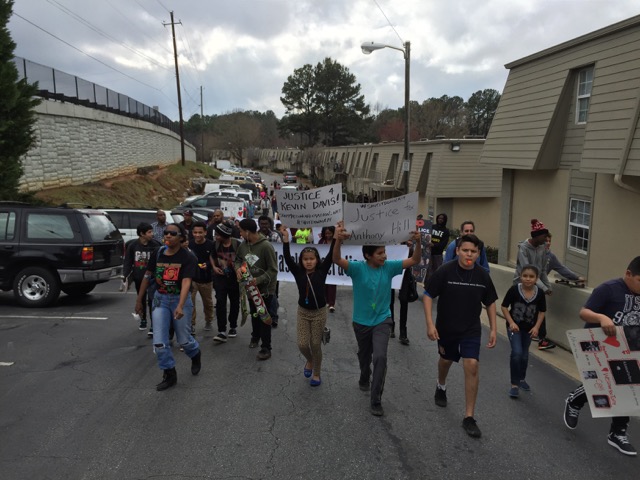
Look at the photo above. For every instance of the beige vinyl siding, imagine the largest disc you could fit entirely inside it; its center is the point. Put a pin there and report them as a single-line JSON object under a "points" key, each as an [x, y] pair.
{"points": [[533, 93]]}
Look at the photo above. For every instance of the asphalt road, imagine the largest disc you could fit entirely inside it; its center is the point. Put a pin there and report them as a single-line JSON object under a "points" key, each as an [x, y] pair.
{"points": [[80, 403]]}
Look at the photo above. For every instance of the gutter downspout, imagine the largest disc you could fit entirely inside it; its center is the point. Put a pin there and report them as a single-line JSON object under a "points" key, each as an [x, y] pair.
{"points": [[617, 178]]}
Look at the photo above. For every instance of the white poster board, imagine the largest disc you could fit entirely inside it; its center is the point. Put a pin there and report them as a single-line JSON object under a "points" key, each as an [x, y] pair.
{"points": [[337, 276], [610, 369], [231, 209], [388, 222], [309, 208]]}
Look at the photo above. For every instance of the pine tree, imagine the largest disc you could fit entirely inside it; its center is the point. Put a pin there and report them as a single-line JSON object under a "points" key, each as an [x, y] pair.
{"points": [[17, 116]]}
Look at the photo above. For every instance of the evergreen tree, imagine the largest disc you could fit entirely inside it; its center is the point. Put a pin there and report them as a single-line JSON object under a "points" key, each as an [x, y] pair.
{"points": [[17, 117]]}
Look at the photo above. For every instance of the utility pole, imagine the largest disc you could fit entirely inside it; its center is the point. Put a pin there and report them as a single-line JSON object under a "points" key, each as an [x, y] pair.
{"points": [[202, 123], [175, 57]]}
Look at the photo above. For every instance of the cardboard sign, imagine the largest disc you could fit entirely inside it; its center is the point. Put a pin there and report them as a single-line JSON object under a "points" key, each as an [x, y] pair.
{"points": [[420, 270], [610, 369], [309, 208], [337, 276], [382, 223]]}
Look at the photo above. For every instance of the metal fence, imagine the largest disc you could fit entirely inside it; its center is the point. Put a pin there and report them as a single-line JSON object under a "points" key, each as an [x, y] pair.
{"points": [[56, 85]]}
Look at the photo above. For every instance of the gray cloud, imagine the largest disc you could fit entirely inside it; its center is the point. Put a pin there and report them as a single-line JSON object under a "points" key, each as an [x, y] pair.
{"points": [[241, 52]]}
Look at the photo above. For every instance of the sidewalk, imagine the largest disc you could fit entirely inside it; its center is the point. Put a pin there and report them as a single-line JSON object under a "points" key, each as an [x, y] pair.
{"points": [[557, 357]]}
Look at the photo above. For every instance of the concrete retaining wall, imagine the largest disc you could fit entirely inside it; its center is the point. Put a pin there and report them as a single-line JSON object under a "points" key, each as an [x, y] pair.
{"points": [[77, 145]]}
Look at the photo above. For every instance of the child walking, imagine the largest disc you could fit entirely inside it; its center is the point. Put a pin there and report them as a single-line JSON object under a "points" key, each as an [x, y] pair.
{"points": [[310, 274], [371, 313], [523, 307]]}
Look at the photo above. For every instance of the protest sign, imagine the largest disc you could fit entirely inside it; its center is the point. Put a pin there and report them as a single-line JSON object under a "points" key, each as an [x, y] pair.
{"points": [[420, 270], [308, 208], [231, 209], [610, 369], [388, 222], [336, 276]]}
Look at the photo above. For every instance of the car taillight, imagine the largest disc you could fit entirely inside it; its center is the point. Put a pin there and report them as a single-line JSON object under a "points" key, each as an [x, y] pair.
{"points": [[87, 254]]}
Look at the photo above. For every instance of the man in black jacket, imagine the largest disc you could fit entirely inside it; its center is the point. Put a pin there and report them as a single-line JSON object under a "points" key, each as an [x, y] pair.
{"points": [[439, 241], [135, 264]]}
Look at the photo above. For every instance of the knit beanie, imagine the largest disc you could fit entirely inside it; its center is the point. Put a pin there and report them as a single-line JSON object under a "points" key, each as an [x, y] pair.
{"points": [[538, 228]]}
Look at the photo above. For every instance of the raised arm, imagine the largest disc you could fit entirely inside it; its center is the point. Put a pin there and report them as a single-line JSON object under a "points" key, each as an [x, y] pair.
{"points": [[417, 252], [340, 235], [328, 259]]}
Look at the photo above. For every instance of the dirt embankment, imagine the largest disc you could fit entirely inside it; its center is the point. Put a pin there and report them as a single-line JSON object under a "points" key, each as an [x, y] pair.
{"points": [[158, 188]]}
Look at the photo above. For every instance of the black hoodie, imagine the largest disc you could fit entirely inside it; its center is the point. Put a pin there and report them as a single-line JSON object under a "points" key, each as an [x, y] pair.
{"points": [[439, 235]]}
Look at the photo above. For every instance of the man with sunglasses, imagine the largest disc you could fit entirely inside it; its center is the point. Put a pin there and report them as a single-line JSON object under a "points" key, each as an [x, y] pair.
{"points": [[171, 270]]}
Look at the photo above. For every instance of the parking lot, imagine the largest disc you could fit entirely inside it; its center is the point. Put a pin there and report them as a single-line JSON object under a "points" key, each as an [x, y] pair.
{"points": [[79, 401]]}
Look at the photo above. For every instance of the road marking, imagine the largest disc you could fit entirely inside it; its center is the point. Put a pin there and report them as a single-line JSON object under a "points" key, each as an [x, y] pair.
{"points": [[54, 317], [6, 364]]}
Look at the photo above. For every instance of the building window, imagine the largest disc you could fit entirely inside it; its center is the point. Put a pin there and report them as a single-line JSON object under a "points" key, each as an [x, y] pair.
{"points": [[579, 224], [585, 80]]}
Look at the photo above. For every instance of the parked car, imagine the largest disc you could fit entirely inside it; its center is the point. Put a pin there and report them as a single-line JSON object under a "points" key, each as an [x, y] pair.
{"points": [[290, 177], [234, 178], [45, 250], [231, 206], [128, 219], [212, 187], [243, 194]]}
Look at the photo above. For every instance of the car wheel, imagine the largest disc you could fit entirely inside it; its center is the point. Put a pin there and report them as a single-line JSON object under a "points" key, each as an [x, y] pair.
{"points": [[79, 289], [36, 287]]}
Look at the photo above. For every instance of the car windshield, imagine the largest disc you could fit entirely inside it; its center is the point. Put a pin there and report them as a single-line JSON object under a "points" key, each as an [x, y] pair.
{"points": [[101, 228]]}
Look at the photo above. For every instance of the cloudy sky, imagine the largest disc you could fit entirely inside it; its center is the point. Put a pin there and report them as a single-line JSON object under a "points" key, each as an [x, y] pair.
{"points": [[241, 51]]}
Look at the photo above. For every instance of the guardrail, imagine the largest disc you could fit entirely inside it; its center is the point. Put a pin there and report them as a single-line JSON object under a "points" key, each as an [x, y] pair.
{"points": [[56, 85]]}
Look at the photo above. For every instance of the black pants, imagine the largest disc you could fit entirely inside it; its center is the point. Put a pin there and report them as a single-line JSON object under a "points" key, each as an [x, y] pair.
{"points": [[404, 310], [372, 347], [146, 300], [227, 287], [578, 398], [259, 330], [542, 331]]}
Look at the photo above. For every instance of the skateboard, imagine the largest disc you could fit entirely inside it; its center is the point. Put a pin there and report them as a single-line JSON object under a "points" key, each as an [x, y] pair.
{"points": [[571, 283], [254, 295]]}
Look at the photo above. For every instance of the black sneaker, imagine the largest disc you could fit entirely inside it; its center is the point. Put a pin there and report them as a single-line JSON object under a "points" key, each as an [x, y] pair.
{"points": [[274, 324], [620, 441], [220, 338], [545, 344], [143, 324], [404, 340], [150, 333], [377, 410], [440, 397], [193, 330], [254, 343], [364, 386], [264, 354], [571, 414], [233, 333], [470, 426]]}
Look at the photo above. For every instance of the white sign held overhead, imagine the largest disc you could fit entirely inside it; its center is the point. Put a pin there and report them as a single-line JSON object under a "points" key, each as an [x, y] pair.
{"points": [[382, 223], [310, 208], [231, 209]]}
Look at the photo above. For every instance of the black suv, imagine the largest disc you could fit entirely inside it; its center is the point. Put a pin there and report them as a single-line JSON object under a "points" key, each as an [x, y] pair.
{"points": [[44, 250]]}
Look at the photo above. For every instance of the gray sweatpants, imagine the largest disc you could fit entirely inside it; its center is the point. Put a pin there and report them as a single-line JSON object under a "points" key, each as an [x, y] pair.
{"points": [[372, 347]]}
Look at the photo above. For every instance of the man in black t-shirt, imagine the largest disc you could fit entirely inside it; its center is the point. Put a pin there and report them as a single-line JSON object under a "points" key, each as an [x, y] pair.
{"points": [[462, 287], [202, 281], [613, 303]]}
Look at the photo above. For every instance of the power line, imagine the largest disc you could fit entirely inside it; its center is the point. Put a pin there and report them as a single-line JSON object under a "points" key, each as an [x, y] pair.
{"points": [[163, 6], [150, 14], [85, 53], [88, 24], [388, 21], [191, 57], [135, 27]]}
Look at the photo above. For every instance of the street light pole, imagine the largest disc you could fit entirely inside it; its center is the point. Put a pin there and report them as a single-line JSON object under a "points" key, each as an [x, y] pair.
{"points": [[369, 47]]}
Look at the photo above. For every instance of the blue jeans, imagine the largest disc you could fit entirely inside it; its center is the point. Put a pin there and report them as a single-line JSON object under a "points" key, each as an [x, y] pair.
{"points": [[163, 307], [520, 342]]}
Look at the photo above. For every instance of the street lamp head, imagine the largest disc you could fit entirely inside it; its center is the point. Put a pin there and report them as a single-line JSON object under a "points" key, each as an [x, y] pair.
{"points": [[368, 47]]}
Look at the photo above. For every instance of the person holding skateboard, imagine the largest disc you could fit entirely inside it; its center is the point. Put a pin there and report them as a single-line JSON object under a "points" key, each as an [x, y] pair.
{"points": [[260, 258]]}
